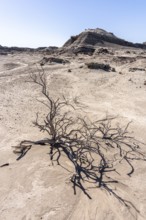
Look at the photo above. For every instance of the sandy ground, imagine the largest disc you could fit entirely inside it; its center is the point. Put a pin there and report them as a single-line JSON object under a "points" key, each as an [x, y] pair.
{"points": [[33, 189]]}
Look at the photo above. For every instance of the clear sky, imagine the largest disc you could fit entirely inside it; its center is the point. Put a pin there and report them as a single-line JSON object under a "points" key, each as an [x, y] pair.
{"points": [[34, 23]]}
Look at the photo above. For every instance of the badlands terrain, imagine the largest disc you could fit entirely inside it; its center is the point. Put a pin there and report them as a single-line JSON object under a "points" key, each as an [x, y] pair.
{"points": [[32, 188]]}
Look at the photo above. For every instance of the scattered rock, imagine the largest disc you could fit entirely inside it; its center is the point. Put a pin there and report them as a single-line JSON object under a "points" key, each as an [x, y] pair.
{"points": [[136, 69], [53, 60], [113, 69], [128, 52], [103, 51], [105, 67], [3, 53], [123, 59], [84, 50], [81, 66], [130, 80]]}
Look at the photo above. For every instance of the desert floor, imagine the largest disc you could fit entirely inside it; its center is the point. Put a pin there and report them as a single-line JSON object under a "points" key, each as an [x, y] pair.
{"points": [[33, 189]]}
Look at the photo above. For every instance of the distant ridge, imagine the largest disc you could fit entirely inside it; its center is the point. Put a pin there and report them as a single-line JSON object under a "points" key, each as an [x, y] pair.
{"points": [[85, 42], [5, 50]]}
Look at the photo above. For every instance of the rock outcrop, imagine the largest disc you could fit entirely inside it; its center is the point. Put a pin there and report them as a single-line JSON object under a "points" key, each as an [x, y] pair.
{"points": [[98, 37]]}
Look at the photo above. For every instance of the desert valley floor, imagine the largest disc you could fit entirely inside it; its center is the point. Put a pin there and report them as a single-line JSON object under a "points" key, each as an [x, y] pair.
{"points": [[33, 189]]}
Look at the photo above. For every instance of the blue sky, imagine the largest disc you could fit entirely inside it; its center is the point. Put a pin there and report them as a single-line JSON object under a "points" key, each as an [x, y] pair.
{"points": [[35, 23]]}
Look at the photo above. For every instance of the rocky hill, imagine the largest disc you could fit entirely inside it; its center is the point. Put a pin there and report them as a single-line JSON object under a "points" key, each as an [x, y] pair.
{"points": [[98, 37]]}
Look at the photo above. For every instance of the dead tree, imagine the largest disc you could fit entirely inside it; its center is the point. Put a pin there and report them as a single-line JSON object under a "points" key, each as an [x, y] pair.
{"points": [[93, 148]]}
